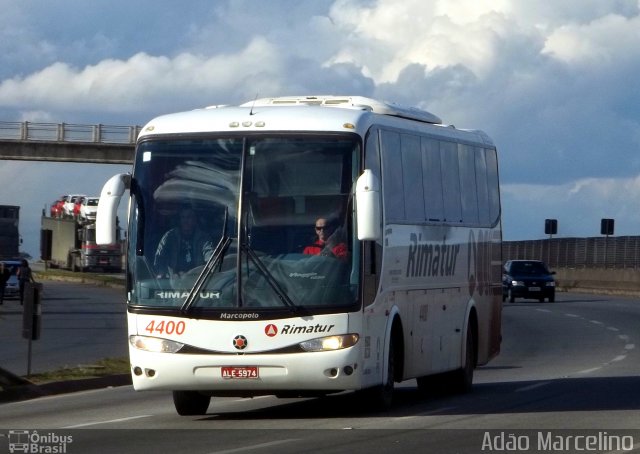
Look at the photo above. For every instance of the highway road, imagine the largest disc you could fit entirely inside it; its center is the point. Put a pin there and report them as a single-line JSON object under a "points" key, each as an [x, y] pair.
{"points": [[81, 323], [567, 369]]}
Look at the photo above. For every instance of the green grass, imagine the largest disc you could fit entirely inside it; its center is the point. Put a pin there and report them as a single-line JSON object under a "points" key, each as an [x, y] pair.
{"points": [[57, 274], [102, 368]]}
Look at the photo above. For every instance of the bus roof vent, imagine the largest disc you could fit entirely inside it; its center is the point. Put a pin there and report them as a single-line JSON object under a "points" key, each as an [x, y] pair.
{"points": [[352, 102]]}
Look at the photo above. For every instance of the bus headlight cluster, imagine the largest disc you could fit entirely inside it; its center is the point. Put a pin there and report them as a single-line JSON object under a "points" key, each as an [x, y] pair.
{"points": [[155, 344], [322, 344]]}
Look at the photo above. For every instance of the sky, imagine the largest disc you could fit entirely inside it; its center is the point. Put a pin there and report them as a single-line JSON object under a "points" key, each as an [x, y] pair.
{"points": [[555, 84]]}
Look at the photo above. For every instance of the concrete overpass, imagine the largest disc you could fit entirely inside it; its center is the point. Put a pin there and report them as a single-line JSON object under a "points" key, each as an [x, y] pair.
{"points": [[63, 142]]}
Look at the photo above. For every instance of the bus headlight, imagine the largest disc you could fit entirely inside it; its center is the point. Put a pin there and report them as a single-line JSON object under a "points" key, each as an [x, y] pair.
{"points": [[155, 344], [322, 344]]}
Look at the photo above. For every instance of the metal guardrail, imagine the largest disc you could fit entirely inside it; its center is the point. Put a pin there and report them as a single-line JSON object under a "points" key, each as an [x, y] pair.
{"points": [[66, 132], [593, 252]]}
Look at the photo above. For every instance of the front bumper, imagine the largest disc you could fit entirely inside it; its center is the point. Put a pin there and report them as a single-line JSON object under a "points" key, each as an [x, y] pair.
{"points": [[321, 371], [103, 261], [532, 291]]}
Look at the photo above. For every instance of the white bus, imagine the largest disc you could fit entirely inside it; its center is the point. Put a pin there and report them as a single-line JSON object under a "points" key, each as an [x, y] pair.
{"points": [[228, 291]]}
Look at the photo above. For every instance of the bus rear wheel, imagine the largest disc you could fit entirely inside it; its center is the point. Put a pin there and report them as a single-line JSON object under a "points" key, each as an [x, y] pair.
{"points": [[462, 379], [190, 403], [458, 381]]}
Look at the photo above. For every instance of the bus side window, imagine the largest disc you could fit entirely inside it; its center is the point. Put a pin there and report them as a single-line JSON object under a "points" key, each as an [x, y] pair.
{"points": [[484, 210], [392, 178], [468, 184], [372, 265], [432, 180], [451, 182], [411, 155], [493, 184]]}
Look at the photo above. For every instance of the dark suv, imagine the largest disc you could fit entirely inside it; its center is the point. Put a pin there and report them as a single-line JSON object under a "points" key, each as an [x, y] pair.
{"points": [[528, 279]]}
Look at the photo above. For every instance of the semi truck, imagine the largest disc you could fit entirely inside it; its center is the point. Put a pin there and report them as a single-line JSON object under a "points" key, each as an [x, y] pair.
{"points": [[9, 234], [70, 244]]}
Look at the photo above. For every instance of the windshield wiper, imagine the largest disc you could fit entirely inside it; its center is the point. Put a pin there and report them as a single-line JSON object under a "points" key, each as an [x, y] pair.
{"points": [[273, 283], [207, 270]]}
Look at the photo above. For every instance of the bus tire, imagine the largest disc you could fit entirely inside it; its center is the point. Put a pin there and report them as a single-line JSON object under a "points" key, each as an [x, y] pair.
{"points": [[462, 379], [380, 398], [190, 403]]}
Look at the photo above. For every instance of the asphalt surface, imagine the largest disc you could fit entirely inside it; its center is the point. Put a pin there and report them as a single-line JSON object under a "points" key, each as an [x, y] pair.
{"points": [[14, 387]]}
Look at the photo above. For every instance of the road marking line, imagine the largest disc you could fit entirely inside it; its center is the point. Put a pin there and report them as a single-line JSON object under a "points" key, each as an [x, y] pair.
{"points": [[106, 422], [623, 337], [596, 322], [572, 315], [588, 371], [611, 328], [618, 358], [258, 446], [426, 413], [543, 310], [243, 399], [534, 386], [629, 346]]}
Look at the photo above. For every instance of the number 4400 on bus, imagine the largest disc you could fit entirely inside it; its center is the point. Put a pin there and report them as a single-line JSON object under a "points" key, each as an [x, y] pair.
{"points": [[301, 246]]}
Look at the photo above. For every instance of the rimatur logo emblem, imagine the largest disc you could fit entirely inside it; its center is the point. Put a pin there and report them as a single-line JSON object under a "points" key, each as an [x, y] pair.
{"points": [[240, 342], [271, 330]]}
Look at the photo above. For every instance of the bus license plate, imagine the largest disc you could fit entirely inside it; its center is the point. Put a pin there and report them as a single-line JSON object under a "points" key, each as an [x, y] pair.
{"points": [[240, 372]]}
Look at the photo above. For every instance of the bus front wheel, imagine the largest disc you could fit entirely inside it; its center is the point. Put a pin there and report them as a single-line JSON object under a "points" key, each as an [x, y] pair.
{"points": [[381, 397], [190, 403]]}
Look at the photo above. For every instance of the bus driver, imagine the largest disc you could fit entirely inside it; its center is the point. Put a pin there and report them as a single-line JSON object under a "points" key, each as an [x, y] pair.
{"points": [[328, 241], [182, 248]]}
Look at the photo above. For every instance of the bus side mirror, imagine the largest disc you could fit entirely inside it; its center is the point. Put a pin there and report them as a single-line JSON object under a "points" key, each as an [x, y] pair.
{"points": [[368, 211], [106, 217]]}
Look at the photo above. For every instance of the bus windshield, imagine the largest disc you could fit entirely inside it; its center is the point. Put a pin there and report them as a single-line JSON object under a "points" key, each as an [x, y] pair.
{"points": [[244, 223]]}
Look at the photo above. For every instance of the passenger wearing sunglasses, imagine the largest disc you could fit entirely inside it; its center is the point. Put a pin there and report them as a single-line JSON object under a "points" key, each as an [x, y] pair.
{"points": [[328, 241]]}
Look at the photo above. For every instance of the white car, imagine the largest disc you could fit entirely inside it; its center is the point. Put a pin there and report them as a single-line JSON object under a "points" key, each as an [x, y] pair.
{"points": [[89, 208], [69, 203]]}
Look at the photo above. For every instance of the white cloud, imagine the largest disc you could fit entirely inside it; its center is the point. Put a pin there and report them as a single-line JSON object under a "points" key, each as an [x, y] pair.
{"points": [[606, 41], [387, 36], [142, 80], [469, 11]]}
